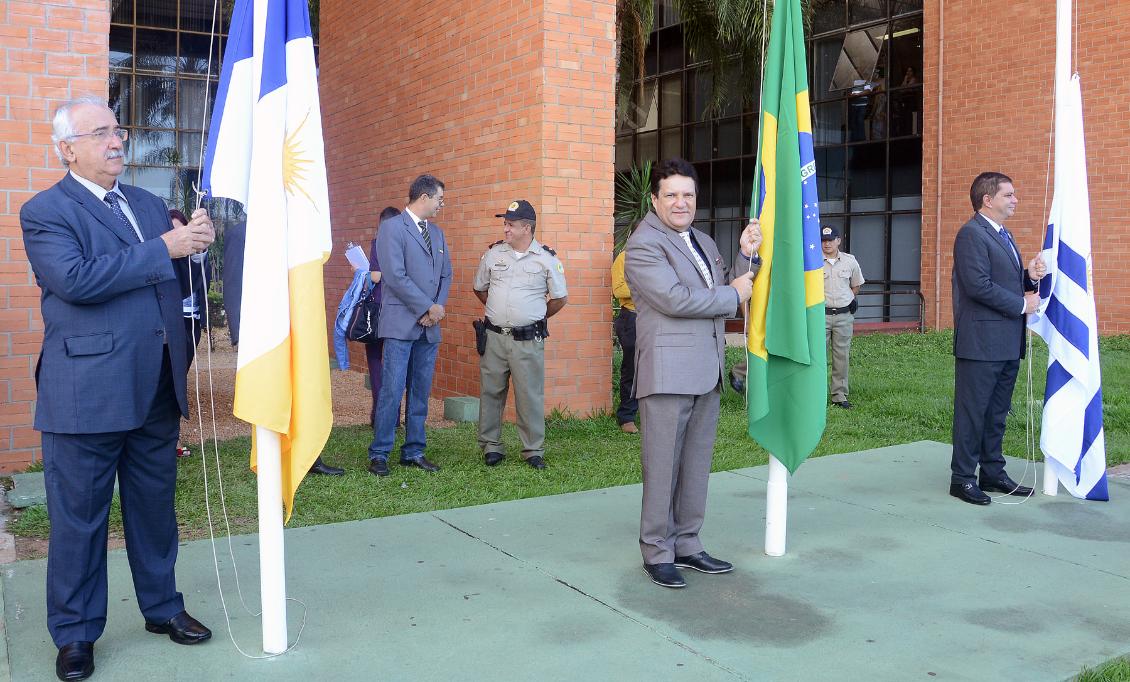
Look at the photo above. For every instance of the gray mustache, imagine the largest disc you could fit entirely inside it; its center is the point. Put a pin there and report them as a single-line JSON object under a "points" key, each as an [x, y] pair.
{"points": [[115, 154]]}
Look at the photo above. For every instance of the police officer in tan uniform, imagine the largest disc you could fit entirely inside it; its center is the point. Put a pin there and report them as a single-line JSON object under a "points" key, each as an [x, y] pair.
{"points": [[522, 284], [842, 279]]}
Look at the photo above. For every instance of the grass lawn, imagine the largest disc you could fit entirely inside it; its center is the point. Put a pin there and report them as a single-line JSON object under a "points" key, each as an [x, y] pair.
{"points": [[902, 386]]}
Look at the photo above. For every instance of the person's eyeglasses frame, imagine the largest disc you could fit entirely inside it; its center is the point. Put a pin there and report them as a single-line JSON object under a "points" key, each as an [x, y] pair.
{"points": [[103, 134]]}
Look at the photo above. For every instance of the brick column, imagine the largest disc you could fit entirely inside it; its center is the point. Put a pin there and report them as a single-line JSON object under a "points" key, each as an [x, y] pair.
{"points": [[501, 101], [50, 51]]}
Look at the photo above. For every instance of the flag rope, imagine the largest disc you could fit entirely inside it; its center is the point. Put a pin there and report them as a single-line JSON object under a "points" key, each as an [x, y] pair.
{"points": [[215, 444]]}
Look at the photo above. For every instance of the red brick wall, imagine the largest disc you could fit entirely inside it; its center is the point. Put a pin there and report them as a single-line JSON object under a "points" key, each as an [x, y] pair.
{"points": [[501, 101], [50, 51], [996, 114]]}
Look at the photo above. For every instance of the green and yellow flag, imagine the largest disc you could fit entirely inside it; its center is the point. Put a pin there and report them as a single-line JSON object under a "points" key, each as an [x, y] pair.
{"points": [[787, 381]]}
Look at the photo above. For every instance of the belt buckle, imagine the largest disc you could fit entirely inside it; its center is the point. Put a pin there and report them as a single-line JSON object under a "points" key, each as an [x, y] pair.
{"points": [[509, 331]]}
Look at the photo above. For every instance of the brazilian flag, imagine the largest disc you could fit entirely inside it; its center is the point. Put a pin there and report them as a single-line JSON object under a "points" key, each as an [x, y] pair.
{"points": [[787, 381]]}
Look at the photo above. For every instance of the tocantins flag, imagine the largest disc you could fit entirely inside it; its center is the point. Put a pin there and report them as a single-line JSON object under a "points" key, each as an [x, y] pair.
{"points": [[787, 383]]}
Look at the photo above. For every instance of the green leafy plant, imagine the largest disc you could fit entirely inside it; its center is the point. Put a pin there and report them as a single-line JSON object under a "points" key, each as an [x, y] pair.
{"points": [[633, 200]]}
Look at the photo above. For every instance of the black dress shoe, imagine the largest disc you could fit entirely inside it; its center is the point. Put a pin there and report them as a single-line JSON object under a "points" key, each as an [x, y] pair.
{"points": [[75, 661], [536, 462], [182, 629], [736, 383], [843, 404], [967, 492], [321, 467], [492, 458], [421, 462], [378, 467], [704, 563], [664, 575], [1005, 485]]}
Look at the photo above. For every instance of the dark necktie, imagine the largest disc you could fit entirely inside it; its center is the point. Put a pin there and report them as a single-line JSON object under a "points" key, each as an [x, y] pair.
{"points": [[116, 206], [424, 231], [1009, 244]]}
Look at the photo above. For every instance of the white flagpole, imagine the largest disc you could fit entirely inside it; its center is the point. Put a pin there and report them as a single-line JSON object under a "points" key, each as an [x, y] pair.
{"points": [[272, 571], [1062, 77], [776, 507]]}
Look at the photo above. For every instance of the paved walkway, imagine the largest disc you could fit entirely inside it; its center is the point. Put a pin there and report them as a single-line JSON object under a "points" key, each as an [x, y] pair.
{"points": [[886, 578]]}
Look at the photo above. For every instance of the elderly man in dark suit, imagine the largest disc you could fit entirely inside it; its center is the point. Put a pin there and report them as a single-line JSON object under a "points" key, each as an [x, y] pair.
{"points": [[416, 279], [991, 296], [105, 256], [679, 285]]}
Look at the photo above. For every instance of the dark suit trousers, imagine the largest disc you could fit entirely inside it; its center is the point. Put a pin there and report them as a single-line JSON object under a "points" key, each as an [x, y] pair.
{"points": [[981, 400], [625, 327], [677, 447], [79, 471]]}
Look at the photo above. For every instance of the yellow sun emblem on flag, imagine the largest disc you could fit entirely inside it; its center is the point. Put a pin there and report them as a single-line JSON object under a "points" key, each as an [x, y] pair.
{"points": [[295, 162]]}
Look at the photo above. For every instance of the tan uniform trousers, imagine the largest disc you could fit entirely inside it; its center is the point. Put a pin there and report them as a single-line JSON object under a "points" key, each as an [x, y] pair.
{"points": [[838, 330], [524, 361]]}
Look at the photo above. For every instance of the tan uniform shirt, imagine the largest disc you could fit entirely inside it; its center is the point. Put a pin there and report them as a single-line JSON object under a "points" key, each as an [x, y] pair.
{"points": [[840, 276], [517, 287]]}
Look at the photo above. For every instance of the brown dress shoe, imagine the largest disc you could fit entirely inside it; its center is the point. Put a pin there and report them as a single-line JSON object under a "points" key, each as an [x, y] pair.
{"points": [[629, 427]]}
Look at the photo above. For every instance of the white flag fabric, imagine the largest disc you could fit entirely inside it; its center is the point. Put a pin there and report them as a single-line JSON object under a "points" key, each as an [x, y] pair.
{"points": [[1071, 435], [265, 150]]}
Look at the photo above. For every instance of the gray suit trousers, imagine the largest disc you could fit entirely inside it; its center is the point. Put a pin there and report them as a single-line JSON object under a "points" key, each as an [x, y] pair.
{"points": [[677, 449]]}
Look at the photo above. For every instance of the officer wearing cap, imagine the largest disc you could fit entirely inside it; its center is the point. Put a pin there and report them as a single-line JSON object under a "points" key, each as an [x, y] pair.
{"points": [[842, 279], [522, 283]]}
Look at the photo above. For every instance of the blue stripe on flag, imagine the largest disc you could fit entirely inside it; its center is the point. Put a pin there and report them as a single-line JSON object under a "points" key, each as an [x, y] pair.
{"points": [[1057, 379], [241, 45], [274, 48], [1073, 265], [1099, 491], [1070, 327], [1092, 423]]}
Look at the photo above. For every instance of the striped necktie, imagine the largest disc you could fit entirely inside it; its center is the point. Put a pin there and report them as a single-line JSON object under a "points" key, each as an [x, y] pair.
{"points": [[1009, 244], [115, 205], [703, 269], [424, 231]]}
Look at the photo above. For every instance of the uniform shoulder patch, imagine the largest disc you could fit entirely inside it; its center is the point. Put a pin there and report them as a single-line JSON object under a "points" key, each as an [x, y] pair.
{"points": [[500, 241], [549, 249]]}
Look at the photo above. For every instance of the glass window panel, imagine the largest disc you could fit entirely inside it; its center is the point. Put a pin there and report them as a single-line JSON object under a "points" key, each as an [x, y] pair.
{"points": [[647, 147], [194, 54], [749, 171], [196, 15], [728, 138], [705, 190], [160, 181], [906, 51], [867, 241], [666, 13], [906, 247], [651, 57], [154, 102], [903, 6], [188, 145], [866, 10], [905, 307], [699, 96], [671, 143], [698, 142], [152, 147], [726, 234], [749, 134], [831, 178], [192, 107], [830, 123], [870, 306], [906, 112], [857, 59], [727, 199], [119, 99], [161, 13], [906, 170], [121, 47], [877, 110], [156, 51], [670, 49], [837, 222], [671, 101], [121, 12], [647, 106], [623, 153], [867, 174], [828, 15], [826, 55]]}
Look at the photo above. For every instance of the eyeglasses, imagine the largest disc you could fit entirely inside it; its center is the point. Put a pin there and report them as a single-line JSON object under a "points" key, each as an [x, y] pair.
{"points": [[104, 134], [439, 199]]}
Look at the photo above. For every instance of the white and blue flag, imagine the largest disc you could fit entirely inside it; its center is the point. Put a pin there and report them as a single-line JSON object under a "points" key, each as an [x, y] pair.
{"points": [[265, 150], [1071, 435]]}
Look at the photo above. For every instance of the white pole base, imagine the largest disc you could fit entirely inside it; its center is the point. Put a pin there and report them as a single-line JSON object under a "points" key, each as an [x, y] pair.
{"points": [[776, 507], [1051, 480], [272, 569]]}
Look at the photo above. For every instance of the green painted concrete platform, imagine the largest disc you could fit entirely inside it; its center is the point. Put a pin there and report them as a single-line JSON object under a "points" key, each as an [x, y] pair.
{"points": [[886, 578]]}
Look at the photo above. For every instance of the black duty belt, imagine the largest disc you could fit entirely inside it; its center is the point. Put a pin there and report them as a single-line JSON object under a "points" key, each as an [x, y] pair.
{"points": [[837, 311], [529, 332]]}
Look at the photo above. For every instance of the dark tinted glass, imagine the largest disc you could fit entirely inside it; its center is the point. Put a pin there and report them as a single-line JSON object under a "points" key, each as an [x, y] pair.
{"points": [[156, 51], [160, 13], [155, 102]]}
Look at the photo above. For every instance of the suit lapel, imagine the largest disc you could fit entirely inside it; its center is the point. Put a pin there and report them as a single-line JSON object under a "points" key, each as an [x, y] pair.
{"points": [[414, 232], [995, 238], [681, 246], [151, 226], [98, 209]]}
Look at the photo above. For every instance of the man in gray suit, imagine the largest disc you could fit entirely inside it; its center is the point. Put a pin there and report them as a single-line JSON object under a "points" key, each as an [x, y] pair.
{"points": [[110, 380], [416, 264], [678, 283], [991, 298]]}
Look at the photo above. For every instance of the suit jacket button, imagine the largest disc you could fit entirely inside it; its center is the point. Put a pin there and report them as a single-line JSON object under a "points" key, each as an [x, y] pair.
{"points": [[160, 332]]}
